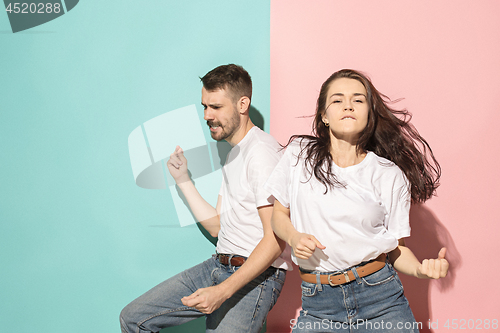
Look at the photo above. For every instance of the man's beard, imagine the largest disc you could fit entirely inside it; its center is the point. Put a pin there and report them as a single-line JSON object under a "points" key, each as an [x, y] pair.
{"points": [[227, 130]]}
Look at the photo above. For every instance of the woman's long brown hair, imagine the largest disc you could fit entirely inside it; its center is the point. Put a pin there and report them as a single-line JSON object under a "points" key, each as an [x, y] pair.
{"points": [[388, 134]]}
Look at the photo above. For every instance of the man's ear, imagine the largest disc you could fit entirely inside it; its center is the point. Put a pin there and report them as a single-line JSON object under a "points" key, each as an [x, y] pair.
{"points": [[243, 105]]}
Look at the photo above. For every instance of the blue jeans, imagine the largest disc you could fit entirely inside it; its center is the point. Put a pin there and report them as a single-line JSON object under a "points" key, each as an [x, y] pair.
{"points": [[245, 311], [374, 303]]}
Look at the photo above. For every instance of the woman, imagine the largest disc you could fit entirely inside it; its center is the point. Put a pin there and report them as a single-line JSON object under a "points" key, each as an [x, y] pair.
{"points": [[343, 200]]}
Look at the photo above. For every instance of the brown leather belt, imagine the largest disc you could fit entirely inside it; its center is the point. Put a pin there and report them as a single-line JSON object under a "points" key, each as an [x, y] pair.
{"points": [[235, 261], [341, 278]]}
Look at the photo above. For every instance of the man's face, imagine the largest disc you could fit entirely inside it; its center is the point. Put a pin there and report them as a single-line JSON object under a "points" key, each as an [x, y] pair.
{"points": [[220, 113]]}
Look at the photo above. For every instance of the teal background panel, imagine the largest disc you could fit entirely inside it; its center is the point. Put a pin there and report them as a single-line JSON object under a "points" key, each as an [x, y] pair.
{"points": [[78, 239]]}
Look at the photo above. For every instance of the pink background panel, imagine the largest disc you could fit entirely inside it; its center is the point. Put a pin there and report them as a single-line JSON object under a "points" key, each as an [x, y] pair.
{"points": [[443, 58]]}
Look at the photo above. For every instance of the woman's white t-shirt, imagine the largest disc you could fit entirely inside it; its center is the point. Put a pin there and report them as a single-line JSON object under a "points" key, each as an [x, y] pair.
{"points": [[357, 222]]}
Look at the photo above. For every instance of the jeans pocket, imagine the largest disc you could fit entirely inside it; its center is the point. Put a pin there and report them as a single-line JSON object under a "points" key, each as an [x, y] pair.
{"points": [[216, 275], [275, 295], [396, 277], [309, 289], [382, 276]]}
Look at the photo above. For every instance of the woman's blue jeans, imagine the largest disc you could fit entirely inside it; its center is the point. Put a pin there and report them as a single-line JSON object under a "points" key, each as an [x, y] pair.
{"points": [[374, 303], [245, 311]]}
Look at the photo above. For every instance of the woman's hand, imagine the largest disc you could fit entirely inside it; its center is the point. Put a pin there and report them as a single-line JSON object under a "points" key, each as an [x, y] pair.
{"points": [[434, 268], [403, 259], [304, 245]]}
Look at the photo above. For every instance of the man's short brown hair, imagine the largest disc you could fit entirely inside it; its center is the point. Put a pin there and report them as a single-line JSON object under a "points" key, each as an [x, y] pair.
{"points": [[232, 78]]}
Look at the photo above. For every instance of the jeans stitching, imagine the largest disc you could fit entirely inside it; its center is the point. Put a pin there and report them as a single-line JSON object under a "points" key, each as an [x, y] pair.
{"points": [[184, 308], [213, 273], [257, 305], [276, 279], [400, 284], [379, 282], [311, 291], [386, 280], [274, 297], [345, 304]]}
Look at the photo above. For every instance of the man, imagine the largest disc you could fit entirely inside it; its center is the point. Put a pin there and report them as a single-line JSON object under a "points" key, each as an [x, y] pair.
{"points": [[236, 288]]}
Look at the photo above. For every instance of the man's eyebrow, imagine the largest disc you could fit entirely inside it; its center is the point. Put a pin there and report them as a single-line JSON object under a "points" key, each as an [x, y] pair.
{"points": [[213, 105]]}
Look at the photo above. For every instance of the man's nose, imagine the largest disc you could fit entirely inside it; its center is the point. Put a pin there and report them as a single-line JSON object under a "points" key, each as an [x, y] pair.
{"points": [[207, 114]]}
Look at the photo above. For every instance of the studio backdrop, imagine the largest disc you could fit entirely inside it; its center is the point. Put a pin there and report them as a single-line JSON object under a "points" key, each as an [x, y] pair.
{"points": [[90, 93]]}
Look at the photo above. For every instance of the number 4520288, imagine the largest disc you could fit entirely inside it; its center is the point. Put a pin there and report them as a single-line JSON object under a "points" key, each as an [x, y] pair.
{"points": [[33, 8], [471, 324]]}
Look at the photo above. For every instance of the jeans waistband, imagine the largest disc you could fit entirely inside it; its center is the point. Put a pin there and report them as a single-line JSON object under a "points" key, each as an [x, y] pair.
{"points": [[352, 274], [340, 271]]}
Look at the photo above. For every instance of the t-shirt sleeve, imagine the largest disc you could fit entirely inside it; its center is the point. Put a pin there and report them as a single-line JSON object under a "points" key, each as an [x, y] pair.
{"points": [[278, 183], [398, 201], [260, 165], [221, 190]]}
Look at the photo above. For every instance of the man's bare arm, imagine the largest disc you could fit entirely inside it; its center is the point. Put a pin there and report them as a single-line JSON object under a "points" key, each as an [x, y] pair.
{"points": [[265, 253], [204, 213]]}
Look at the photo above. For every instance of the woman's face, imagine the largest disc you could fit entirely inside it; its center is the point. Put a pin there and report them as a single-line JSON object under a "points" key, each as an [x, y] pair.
{"points": [[346, 109]]}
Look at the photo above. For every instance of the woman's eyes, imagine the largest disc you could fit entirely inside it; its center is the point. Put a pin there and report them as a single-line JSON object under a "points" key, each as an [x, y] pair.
{"points": [[355, 101]]}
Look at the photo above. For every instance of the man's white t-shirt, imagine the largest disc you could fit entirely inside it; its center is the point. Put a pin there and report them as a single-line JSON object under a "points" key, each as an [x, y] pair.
{"points": [[247, 167], [357, 222]]}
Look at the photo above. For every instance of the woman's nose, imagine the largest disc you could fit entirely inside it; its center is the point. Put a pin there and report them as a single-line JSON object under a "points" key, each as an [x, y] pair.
{"points": [[348, 106]]}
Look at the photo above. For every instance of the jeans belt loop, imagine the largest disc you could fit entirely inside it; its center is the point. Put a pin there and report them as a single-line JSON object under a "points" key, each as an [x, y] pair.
{"points": [[277, 272], [318, 282], [356, 275]]}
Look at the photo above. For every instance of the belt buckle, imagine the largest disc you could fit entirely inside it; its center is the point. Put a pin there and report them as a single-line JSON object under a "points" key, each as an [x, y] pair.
{"points": [[330, 281], [221, 258], [347, 279]]}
